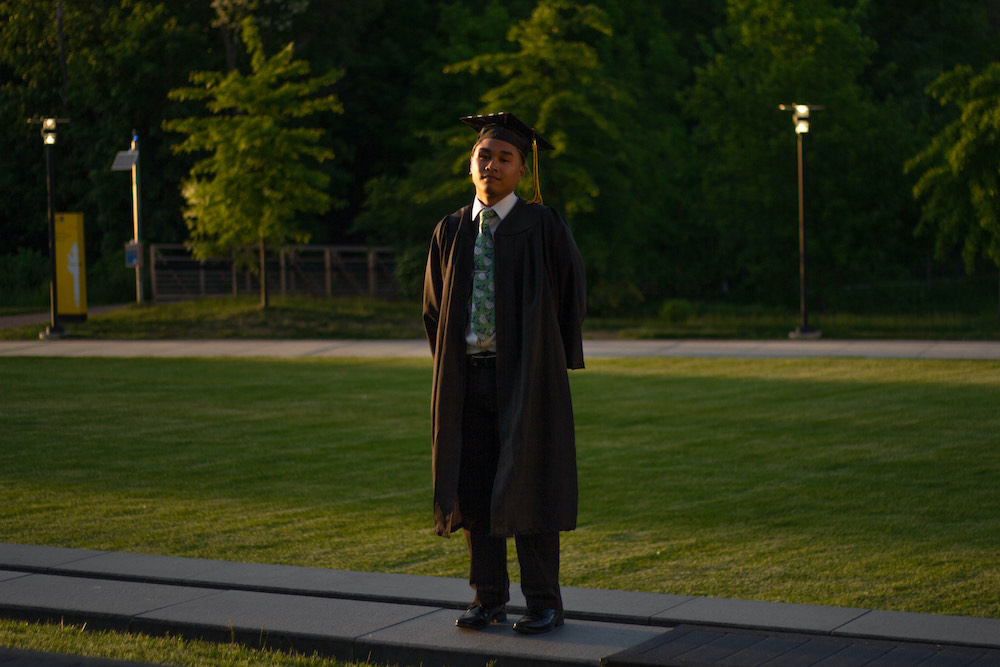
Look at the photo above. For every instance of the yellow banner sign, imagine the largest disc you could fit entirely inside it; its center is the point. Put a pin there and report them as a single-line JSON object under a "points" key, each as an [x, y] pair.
{"points": [[71, 265]]}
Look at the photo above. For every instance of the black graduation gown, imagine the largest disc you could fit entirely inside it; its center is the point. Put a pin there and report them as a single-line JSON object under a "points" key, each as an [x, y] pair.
{"points": [[540, 305]]}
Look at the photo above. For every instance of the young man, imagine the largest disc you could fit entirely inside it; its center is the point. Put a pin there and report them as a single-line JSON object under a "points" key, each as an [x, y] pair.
{"points": [[504, 298]]}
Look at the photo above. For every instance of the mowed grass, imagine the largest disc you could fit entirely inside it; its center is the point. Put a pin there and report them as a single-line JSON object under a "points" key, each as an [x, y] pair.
{"points": [[863, 483], [81, 641]]}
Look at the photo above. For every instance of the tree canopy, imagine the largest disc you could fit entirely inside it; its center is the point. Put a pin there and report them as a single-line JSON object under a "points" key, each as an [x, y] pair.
{"points": [[672, 164], [256, 180], [959, 182]]}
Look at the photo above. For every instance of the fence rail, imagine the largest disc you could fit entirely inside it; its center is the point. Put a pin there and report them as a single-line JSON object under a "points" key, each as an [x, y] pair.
{"points": [[314, 270]]}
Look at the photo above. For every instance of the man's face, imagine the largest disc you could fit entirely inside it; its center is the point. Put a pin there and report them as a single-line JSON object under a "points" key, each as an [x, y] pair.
{"points": [[496, 168]]}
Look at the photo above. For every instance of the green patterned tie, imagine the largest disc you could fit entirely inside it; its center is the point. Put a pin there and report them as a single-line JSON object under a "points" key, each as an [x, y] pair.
{"points": [[483, 286]]}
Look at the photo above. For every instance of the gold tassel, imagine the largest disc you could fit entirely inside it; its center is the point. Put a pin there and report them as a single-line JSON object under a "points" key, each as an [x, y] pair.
{"points": [[537, 199]]}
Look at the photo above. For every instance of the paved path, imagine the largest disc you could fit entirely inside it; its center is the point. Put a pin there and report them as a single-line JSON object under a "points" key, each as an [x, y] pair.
{"points": [[909, 349], [821, 347], [409, 620]]}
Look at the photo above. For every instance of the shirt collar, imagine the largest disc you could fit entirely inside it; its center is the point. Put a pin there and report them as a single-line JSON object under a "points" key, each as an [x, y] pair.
{"points": [[501, 208]]}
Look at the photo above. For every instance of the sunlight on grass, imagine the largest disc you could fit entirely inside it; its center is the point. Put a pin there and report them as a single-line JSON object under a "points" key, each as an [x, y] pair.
{"points": [[863, 483]]}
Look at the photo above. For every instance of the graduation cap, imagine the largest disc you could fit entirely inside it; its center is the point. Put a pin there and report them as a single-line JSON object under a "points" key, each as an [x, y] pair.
{"points": [[508, 127]]}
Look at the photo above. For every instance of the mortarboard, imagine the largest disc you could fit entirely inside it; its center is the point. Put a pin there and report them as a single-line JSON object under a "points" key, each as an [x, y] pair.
{"points": [[508, 127]]}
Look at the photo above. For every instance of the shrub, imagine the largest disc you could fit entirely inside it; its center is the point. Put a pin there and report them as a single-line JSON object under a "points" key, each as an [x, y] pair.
{"points": [[24, 279], [676, 311]]}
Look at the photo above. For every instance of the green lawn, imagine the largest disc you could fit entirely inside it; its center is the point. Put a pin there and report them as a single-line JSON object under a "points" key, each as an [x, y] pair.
{"points": [[863, 483], [80, 641]]}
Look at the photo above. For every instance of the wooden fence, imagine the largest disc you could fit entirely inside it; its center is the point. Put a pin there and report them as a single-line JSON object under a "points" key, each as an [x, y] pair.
{"points": [[314, 270]]}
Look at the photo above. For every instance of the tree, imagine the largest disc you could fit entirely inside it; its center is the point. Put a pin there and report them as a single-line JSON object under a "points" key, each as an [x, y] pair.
{"points": [[665, 203], [229, 17], [111, 76], [652, 250], [406, 148], [555, 80], [959, 184], [773, 52], [256, 179]]}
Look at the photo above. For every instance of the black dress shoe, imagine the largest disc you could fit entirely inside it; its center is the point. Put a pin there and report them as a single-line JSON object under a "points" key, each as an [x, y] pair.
{"points": [[538, 621], [479, 616]]}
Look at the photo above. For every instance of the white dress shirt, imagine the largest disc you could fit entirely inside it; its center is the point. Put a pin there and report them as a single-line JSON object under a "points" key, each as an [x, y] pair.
{"points": [[501, 208]]}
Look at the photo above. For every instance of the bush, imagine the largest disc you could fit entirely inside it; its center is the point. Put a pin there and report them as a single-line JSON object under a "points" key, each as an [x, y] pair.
{"points": [[676, 311], [110, 281], [24, 279], [610, 298], [410, 271]]}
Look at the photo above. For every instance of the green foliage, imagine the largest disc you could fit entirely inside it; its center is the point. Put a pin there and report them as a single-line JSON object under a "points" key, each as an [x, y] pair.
{"points": [[557, 78], [959, 184], [554, 80], [551, 72], [410, 263], [673, 166], [107, 66], [24, 279], [256, 179], [676, 311], [770, 53], [418, 176]]}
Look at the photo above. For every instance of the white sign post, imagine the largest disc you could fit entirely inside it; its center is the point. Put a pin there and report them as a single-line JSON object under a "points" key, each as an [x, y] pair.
{"points": [[129, 161]]}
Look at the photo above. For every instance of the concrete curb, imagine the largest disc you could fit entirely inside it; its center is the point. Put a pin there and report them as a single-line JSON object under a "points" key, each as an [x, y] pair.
{"points": [[409, 620]]}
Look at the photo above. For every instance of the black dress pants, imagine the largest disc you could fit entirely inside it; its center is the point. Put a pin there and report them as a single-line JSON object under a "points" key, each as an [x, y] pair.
{"points": [[537, 553]]}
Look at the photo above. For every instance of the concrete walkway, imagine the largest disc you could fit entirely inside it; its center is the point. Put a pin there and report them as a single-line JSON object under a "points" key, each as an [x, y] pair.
{"points": [[409, 620], [902, 349]]}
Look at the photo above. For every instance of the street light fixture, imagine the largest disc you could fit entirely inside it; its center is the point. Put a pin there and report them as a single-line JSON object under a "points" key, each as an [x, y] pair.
{"points": [[49, 127], [800, 119], [49, 131]]}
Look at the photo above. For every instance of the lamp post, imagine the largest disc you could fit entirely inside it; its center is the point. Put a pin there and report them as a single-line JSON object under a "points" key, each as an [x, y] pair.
{"points": [[49, 126], [129, 161], [800, 119]]}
